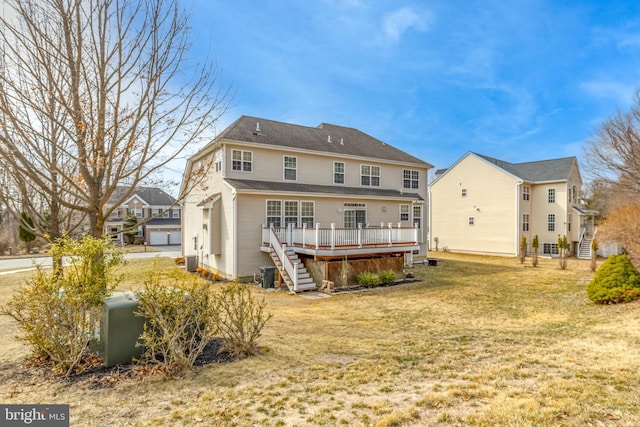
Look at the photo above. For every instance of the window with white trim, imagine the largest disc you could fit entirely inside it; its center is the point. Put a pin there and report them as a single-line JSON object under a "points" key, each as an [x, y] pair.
{"points": [[242, 160], [550, 248], [551, 195], [472, 220], [463, 192], [410, 178], [175, 213], [217, 161], [307, 213], [274, 213], [417, 216], [338, 172], [404, 212], [290, 168], [526, 192], [551, 222], [525, 222], [370, 175], [291, 213]]}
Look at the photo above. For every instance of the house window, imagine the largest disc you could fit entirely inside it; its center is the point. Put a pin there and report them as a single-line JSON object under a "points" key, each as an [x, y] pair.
{"points": [[165, 214], [290, 168], [550, 248], [242, 160], [472, 220], [274, 212], [217, 161], [575, 194], [551, 222], [175, 213], [290, 212], [354, 214], [551, 195], [410, 178], [338, 172], [404, 212], [370, 175], [417, 216], [526, 192], [137, 212], [525, 222], [463, 192], [307, 213]]}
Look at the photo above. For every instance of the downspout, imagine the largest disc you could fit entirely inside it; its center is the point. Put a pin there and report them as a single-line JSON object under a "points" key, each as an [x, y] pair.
{"points": [[235, 235], [429, 220], [517, 239]]}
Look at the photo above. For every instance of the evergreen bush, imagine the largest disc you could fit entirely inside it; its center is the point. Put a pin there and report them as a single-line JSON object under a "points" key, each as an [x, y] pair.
{"points": [[368, 279], [387, 277], [616, 281]]}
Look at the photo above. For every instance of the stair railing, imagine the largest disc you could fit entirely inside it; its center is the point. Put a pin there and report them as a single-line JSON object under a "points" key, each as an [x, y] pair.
{"points": [[288, 268]]}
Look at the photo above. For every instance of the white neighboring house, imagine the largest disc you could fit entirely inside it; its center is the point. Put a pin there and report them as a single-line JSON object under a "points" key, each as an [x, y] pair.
{"points": [[304, 199], [157, 214], [486, 205]]}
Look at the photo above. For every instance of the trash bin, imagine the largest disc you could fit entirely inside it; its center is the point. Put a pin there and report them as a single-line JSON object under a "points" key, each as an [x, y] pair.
{"points": [[120, 328], [191, 263], [267, 276]]}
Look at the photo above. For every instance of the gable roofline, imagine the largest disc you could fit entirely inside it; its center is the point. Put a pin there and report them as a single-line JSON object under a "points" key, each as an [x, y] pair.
{"points": [[535, 172], [326, 138]]}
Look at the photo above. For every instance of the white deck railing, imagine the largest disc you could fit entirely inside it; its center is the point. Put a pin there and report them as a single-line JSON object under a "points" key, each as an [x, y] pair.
{"points": [[333, 238], [287, 266]]}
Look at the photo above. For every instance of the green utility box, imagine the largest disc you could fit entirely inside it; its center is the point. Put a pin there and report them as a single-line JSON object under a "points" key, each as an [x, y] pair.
{"points": [[120, 328], [267, 276]]}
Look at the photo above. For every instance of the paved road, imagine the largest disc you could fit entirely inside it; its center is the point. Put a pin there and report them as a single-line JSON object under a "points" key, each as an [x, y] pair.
{"points": [[16, 265]]}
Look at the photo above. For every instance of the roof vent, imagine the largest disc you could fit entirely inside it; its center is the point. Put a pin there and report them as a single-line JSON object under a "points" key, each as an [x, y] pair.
{"points": [[257, 126], [341, 141], [329, 139]]}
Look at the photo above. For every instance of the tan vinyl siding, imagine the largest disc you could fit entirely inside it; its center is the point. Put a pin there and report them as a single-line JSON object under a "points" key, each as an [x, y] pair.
{"points": [[490, 194], [268, 165]]}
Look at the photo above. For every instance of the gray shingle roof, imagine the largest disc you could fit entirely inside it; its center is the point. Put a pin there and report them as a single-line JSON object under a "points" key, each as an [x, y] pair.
{"points": [[290, 187], [344, 140], [539, 171], [152, 195]]}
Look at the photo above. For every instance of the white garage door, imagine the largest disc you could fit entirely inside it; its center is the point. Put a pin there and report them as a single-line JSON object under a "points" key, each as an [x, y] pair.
{"points": [[175, 238], [158, 238]]}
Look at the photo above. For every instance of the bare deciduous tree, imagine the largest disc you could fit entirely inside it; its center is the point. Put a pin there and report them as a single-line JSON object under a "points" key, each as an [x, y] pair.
{"points": [[96, 94], [613, 155]]}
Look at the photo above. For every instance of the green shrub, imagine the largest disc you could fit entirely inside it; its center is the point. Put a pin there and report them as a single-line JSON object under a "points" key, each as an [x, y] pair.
{"points": [[240, 319], [58, 311], [368, 279], [180, 321], [616, 281], [387, 277]]}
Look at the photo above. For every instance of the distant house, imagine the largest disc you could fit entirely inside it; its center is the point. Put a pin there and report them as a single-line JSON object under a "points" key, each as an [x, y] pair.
{"points": [[157, 214], [485, 205], [305, 200]]}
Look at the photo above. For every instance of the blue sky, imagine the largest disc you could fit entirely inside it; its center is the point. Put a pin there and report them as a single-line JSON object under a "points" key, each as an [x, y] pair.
{"points": [[520, 81]]}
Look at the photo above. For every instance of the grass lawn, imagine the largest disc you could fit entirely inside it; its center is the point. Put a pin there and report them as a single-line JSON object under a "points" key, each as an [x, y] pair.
{"points": [[478, 341]]}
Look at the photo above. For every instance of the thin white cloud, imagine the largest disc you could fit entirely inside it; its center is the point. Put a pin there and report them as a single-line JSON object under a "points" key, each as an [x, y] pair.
{"points": [[620, 92], [396, 23]]}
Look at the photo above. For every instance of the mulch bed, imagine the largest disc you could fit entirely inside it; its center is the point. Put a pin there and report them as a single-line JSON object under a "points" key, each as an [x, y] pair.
{"points": [[96, 376]]}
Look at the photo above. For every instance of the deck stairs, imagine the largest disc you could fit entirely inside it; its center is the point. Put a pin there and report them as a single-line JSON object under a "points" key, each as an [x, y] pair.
{"points": [[585, 248], [298, 280]]}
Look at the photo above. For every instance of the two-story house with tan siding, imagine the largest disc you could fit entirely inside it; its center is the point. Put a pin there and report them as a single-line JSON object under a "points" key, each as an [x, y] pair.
{"points": [[157, 214], [319, 203], [485, 205]]}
